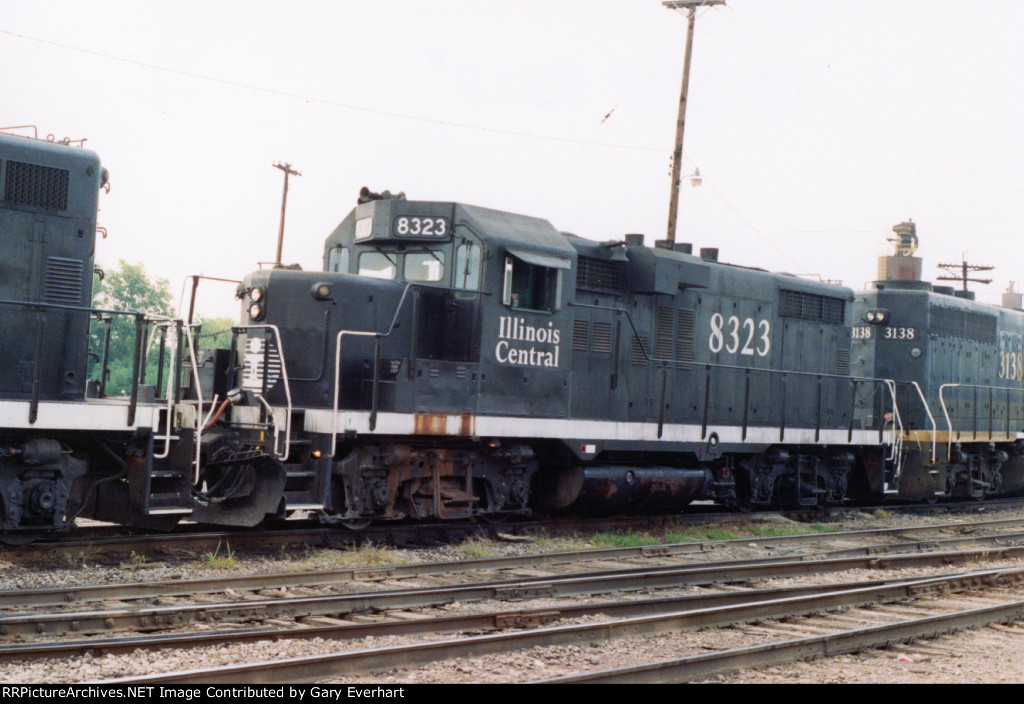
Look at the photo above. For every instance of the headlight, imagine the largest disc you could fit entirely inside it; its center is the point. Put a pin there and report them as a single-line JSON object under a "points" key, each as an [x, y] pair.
{"points": [[256, 294], [870, 316], [320, 291], [256, 311]]}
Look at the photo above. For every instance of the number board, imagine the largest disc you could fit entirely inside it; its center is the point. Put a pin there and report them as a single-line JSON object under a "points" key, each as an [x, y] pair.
{"points": [[421, 227]]}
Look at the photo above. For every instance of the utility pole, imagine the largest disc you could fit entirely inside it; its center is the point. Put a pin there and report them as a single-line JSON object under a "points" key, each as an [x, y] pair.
{"points": [[677, 155], [965, 271], [288, 170]]}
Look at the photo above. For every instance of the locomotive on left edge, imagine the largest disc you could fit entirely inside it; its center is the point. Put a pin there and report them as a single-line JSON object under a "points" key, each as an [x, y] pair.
{"points": [[67, 450]]}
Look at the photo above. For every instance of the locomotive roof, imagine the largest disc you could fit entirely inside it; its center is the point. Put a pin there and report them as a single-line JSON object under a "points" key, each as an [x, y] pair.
{"points": [[513, 231], [497, 228], [661, 270], [74, 170]]}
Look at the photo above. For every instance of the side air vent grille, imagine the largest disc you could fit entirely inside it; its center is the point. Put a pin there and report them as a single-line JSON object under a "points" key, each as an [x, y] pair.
{"points": [[598, 273], [580, 336], [602, 338], [639, 349], [964, 325], [843, 362], [63, 284], [810, 306]]}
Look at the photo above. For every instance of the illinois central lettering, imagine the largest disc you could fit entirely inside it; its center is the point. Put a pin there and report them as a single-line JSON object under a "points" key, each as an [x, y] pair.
{"points": [[527, 345]]}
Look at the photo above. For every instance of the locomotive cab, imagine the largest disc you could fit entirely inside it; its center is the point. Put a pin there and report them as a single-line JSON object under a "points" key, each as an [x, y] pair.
{"points": [[428, 318]]}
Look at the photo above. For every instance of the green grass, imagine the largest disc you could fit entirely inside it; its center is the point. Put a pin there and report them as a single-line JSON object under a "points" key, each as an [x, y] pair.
{"points": [[694, 535], [882, 513], [624, 540], [545, 543], [215, 561], [136, 561], [746, 530], [478, 548], [362, 556]]}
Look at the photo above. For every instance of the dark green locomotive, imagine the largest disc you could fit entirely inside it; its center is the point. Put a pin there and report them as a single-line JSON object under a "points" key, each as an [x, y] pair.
{"points": [[454, 361], [962, 364]]}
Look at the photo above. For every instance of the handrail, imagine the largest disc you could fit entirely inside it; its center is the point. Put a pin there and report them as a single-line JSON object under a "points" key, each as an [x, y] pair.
{"points": [[168, 393], [337, 363], [141, 320], [287, 386], [896, 444], [894, 439], [949, 421], [190, 341], [935, 431]]}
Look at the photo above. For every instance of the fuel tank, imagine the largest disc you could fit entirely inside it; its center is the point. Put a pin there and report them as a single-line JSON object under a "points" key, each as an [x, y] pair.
{"points": [[605, 489]]}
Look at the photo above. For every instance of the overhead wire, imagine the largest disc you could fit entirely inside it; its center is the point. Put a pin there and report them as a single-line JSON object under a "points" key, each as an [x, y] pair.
{"points": [[335, 103]]}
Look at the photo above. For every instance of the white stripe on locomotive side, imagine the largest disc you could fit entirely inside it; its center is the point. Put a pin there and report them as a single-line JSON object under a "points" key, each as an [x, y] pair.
{"points": [[319, 421], [77, 415]]}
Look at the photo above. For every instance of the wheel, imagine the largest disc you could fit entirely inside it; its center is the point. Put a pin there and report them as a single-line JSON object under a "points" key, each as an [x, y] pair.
{"points": [[357, 523], [21, 537]]}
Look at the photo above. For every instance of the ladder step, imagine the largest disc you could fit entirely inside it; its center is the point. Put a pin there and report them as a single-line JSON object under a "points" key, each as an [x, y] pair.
{"points": [[166, 474], [168, 496]]}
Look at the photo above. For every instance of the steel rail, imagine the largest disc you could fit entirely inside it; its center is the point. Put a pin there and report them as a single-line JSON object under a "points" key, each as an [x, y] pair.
{"points": [[778, 653], [58, 596], [493, 620], [317, 667], [577, 584], [432, 533]]}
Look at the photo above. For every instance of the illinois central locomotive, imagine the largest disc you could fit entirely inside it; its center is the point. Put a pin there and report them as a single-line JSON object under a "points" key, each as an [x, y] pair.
{"points": [[67, 449], [456, 362], [962, 408]]}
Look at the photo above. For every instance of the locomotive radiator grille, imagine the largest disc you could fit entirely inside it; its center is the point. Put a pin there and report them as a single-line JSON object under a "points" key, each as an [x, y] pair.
{"points": [[32, 184]]}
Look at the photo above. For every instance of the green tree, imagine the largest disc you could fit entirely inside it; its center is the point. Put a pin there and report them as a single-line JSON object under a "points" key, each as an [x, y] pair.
{"points": [[126, 288], [214, 332]]}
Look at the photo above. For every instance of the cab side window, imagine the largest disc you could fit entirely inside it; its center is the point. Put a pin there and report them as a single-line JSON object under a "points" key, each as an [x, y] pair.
{"points": [[467, 266], [531, 286], [337, 259]]}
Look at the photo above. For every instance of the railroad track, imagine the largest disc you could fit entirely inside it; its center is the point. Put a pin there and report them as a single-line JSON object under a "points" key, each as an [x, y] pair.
{"points": [[914, 540], [92, 539], [373, 660], [305, 613]]}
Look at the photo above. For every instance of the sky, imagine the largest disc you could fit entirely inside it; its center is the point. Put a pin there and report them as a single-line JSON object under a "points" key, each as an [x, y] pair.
{"points": [[816, 125]]}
